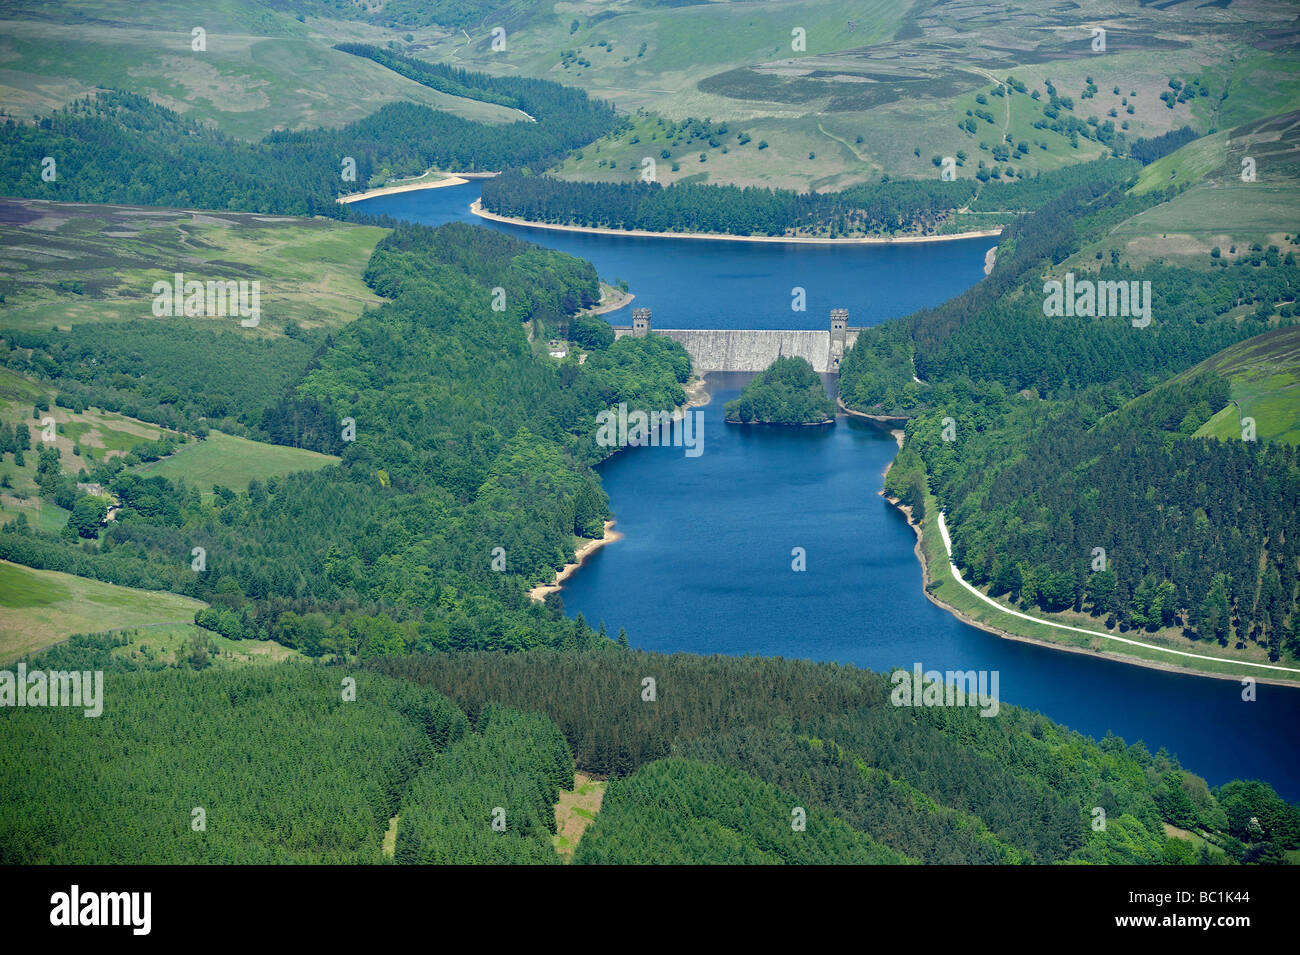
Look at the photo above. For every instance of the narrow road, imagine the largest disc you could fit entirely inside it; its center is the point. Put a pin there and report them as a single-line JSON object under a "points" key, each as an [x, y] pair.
{"points": [[947, 545]]}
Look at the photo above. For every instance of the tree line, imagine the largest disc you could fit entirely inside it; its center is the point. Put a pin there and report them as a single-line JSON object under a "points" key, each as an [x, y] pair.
{"points": [[178, 769], [1192, 531], [732, 210], [884, 208]]}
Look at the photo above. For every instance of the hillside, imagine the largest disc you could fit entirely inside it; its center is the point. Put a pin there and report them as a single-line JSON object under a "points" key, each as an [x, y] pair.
{"points": [[1263, 376], [309, 548], [73, 264], [838, 93], [428, 749], [232, 462], [260, 69], [1218, 157], [882, 88], [223, 404], [1024, 421], [1221, 208], [41, 607]]}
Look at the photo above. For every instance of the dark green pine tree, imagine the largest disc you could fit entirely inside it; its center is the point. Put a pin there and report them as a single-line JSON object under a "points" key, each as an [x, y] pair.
{"points": [[622, 638]]}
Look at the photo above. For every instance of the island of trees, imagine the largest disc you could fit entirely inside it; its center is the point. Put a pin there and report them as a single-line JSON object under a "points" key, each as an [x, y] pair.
{"points": [[788, 392]]}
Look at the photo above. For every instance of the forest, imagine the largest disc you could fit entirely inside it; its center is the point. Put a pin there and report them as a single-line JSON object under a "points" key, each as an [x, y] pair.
{"points": [[465, 442], [515, 766], [877, 374], [787, 392], [683, 812], [885, 208], [1046, 437], [1147, 151], [751, 210], [181, 770], [460, 758], [1189, 540], [934, 785], [1194, 314], [443, 711], [184, 374]]}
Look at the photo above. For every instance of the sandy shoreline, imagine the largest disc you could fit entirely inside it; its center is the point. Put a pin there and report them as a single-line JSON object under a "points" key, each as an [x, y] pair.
{"points": [[613, 305], [579, 558], [449, 179], [410, 187], [928, 578], [697, 394], [476, 207]]}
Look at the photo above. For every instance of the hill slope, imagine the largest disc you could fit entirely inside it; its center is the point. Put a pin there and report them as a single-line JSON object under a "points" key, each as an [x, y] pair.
{"points": [[1263, 375]]}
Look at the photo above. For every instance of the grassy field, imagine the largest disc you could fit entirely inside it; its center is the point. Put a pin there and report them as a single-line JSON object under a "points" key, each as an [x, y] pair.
{"points": [[1184, 231], [219, 459], [42, 515], [833, 150], [1216, 208], [167, 643], [232, 462], [1272, 143], [67, 263], [18, 396], [41, 607], [1264, 382], [262, 70], [1189, 164]]}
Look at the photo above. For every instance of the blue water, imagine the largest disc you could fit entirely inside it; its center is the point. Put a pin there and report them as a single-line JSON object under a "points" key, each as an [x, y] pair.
{"points": [[704, 565], [696, 283]]}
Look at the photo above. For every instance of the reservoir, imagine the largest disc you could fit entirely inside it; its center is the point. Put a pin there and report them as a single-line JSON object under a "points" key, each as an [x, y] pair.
{"points": [[696, 283], [705, 563]]}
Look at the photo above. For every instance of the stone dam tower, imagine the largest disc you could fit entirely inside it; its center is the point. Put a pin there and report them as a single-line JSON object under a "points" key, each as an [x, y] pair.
{"points": [[753, 349]]}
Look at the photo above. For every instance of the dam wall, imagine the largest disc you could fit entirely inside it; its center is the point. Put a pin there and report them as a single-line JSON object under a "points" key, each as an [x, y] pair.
{"points": [[753, 349]]}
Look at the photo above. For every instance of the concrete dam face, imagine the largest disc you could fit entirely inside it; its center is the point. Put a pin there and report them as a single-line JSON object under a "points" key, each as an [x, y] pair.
{"points": [[753, 349]]}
